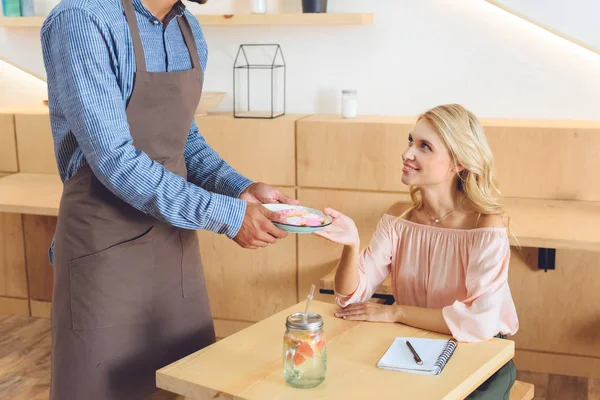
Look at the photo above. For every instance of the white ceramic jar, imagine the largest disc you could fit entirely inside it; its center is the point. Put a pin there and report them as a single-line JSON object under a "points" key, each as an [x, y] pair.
{"points": [[349, 103], [259, 6]]}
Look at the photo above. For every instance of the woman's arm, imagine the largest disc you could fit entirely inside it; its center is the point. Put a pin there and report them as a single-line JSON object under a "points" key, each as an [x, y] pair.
{"points": [[347, 278], [430, 319], [424, 318], [359, 273], [343, 231]]}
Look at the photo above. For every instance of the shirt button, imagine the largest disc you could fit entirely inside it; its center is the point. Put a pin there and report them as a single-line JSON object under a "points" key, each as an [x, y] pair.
{"points": [[155, 21]]}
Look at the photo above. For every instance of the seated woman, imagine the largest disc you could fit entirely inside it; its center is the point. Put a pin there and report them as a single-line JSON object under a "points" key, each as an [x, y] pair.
{"points": [[448, 253]]}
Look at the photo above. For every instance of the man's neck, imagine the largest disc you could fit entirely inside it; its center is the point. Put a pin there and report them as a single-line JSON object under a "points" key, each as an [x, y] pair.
{"points": [[159, 8]]}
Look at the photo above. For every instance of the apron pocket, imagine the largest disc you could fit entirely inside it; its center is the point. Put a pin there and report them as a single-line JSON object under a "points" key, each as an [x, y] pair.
{"points": [[113, 286], [192, 273]]}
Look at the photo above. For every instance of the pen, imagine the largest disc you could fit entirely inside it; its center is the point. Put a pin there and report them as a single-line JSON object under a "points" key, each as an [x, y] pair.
{"points": [[415, 355]]}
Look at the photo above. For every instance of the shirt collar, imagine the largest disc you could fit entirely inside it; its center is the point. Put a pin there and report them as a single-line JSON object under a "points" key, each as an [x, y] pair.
{"points": [[177, 10]]}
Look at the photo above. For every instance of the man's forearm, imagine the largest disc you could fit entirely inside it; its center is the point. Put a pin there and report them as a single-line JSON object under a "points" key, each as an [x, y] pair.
{"points": [[208, 170]]}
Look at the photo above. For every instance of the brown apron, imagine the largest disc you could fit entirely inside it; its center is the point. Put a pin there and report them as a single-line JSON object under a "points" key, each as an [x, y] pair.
{"points": [[129, 290]]}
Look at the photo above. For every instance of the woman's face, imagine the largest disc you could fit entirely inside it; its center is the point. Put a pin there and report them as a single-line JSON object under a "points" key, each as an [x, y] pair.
{"points": [[427, 161]]}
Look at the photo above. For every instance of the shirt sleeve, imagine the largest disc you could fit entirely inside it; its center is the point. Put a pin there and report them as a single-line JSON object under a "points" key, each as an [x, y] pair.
{"points": [[373, 264], [477, 317], [205, 167], [208, 170], [81, 67]]}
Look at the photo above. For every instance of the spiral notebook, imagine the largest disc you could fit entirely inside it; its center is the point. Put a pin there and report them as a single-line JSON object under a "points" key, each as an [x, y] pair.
{"points": [[434, 353]]}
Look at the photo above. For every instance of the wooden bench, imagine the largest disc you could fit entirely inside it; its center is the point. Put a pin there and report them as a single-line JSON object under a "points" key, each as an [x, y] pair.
{"points": [[554, 224], [522, 391]]}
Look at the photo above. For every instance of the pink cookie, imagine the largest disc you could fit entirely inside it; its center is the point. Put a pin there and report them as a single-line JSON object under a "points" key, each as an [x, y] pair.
{"points": [[299, 217]]}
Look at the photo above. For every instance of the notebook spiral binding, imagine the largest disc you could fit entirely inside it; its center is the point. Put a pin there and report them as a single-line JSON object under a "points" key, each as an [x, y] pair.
{"points": [[445, 356]]}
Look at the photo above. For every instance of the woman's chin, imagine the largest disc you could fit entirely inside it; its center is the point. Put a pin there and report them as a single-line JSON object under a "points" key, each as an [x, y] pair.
{"points": [[408, 180]]}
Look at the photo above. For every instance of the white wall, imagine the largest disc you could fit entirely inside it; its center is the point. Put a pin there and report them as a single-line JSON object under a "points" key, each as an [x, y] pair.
{"points": [[416, 54]]}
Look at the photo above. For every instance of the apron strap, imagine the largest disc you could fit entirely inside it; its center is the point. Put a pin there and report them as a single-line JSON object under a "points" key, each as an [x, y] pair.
{"points": [[138, 48], [188, 37]]}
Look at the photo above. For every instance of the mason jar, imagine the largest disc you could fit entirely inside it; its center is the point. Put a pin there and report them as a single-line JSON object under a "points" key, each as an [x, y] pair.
{"points": [[304, 351]]}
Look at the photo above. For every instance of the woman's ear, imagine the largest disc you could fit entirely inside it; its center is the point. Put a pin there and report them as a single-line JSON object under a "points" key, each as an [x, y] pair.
{"points": [[458, 168]]}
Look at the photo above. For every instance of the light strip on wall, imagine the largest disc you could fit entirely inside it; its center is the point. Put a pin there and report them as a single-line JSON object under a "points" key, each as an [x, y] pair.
{"points": [[543, 26]]}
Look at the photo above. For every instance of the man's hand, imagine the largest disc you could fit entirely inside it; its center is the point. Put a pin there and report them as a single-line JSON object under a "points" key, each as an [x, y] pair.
{"points": [[257, 229], [262, 193]]}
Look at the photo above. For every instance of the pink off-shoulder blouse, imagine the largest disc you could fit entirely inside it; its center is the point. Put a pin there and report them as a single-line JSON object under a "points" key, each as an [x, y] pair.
{"points": [[463, 272]]}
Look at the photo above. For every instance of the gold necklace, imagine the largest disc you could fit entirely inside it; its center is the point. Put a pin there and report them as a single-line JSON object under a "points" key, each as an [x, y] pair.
{"points": [[437, 220]]}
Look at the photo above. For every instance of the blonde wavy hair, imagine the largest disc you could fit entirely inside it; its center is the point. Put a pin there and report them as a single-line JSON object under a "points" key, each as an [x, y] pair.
{"points": [[463, 135]]}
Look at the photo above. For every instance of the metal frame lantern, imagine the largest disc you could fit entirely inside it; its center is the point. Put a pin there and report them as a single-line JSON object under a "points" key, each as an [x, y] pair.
{"points": [[244, 68]]}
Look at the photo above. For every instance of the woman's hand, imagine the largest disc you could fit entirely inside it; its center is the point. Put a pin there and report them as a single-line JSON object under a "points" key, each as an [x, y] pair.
{"points": [[342, 230], [369, 312]]}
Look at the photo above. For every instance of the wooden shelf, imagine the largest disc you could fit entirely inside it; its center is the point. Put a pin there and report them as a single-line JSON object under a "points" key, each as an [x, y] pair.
{"points": [[287, 19], [22, 22], [234, 20], [555, 224], [37, 194]]}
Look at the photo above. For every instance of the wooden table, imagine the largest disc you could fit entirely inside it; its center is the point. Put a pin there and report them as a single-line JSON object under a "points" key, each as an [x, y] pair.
{"points": [[247, 365]]}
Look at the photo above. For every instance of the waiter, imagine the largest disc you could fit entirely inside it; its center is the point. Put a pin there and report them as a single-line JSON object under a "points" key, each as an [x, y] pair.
{"points": [[124, 80]]}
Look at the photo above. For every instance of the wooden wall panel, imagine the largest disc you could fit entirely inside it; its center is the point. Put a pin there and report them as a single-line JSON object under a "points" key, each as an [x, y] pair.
{"points": [[13, 274], [39, 231], [34, 144], [263, 150], [249, 285], [548, 163], [362, 154], [552, 160], [8, 144], [318, 256], [558, 310]]}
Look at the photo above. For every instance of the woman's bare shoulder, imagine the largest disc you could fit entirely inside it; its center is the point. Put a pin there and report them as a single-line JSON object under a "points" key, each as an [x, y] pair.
{"points": [[491, 221], [399, 208]]}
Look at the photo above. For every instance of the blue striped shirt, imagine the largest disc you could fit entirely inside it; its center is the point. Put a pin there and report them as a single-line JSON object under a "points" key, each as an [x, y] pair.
{"points": [[90, 64]]}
